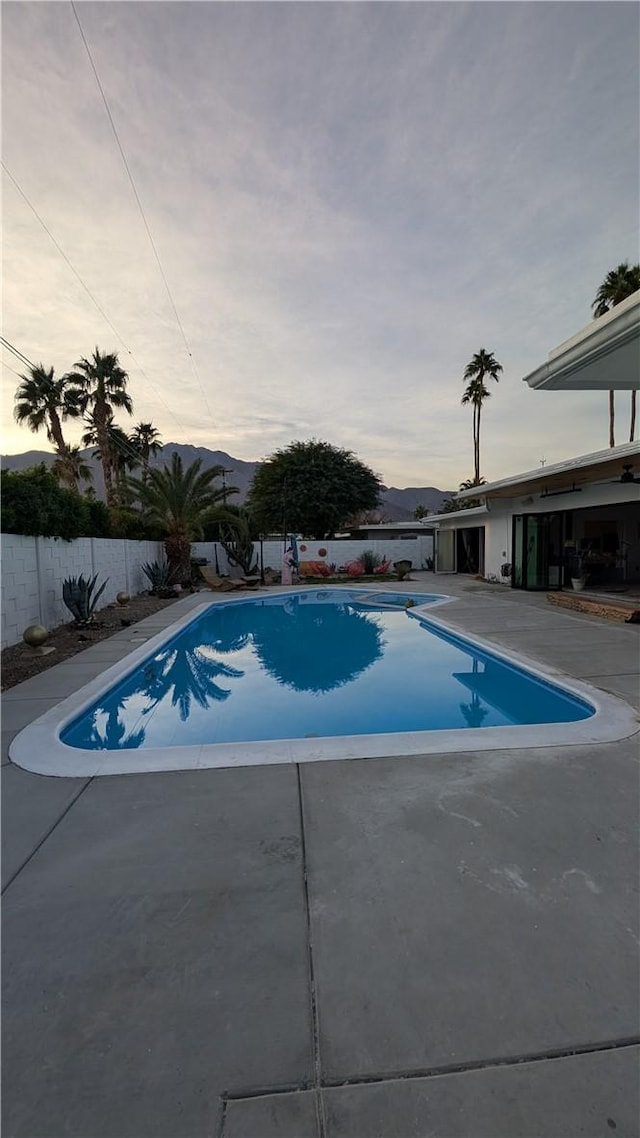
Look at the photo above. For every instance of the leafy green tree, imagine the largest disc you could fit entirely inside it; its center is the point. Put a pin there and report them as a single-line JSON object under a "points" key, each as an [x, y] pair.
{"points": [[180, 502], [96, 387], [41, 400], [311, 488], [34, 503], [421, 512], [618, 284], [482, 366]]}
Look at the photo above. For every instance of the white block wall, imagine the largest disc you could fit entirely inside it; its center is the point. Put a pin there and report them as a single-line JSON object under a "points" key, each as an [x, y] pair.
{"points": [[20, 593], [33, 570], [417, 550]]}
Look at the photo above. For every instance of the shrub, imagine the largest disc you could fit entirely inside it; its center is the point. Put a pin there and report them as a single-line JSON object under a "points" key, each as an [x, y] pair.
{"points": [[79, 597], [354, 569], [33, 503], [157, 573], [370, 561]]}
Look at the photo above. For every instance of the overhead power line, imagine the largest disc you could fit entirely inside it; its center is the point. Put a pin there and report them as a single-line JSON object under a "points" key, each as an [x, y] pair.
{"points": [[19, 355], [89, 293], [124, 445], [9, 368], [140, 207]]}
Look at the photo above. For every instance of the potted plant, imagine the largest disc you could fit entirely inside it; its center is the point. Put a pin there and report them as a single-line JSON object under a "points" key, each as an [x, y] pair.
{"points": [[579, 575]]}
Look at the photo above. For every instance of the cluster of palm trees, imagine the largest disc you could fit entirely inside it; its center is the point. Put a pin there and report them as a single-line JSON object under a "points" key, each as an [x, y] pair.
{"points": [[93, 391], [175, 501], [618, 284]]}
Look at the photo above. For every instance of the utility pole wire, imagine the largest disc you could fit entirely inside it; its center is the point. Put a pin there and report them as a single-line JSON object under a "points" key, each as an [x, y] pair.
{"points": [[19, 355], [88, 291], [140, 206]]}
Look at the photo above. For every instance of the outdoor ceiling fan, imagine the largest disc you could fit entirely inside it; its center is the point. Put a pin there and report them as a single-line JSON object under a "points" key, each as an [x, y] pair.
{"points": [[627, 473]]}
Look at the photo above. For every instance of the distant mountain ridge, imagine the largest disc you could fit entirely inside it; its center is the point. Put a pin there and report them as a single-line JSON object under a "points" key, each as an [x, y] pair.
{"points": [[396, 505]]}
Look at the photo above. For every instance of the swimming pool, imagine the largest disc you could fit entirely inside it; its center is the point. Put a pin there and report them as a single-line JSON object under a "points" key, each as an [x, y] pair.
{"points": [[311, 665], [306, 675]]}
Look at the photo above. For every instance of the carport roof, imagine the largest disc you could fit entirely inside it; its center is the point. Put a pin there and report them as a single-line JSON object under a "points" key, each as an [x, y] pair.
{"points": [[602, 466], [605, 354]]}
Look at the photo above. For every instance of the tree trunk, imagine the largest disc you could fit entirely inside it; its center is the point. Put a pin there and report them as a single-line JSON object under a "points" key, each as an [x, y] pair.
{"points": [[105, 458], [632, 425], [478, 444], [612, 439], [55, 430], [178, 549], [475, 438]]}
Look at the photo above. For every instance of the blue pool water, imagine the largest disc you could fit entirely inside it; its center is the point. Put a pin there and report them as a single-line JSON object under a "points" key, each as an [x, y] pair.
{"points": [[317, 663]]}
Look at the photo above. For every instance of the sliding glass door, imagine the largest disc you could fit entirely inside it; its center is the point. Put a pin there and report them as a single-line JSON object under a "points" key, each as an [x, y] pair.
{"points": [[537, 551]]}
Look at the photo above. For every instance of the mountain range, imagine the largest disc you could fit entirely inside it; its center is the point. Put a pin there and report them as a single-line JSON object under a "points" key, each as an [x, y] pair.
{"points": [[396, 505]]}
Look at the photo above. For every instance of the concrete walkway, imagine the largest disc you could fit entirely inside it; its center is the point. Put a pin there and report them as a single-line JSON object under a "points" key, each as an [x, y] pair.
{"points": [[397, 947]]}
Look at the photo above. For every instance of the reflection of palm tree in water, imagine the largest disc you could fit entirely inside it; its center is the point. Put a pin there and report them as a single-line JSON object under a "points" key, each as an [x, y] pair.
{"points": [[474, 712], [190, 673], [315, 648], [114, 737]]}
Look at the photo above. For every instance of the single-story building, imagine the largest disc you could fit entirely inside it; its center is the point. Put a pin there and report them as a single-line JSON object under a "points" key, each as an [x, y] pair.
{"points": [[533, 528], [540, 529], [392, 531]]}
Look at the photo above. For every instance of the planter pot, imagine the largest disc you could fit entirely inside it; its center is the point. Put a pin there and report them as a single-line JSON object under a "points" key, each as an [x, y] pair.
{"points": [[578, 583]]}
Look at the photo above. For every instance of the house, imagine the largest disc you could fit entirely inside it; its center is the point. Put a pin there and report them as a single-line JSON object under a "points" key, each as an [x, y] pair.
{"points": [[535, 530]]}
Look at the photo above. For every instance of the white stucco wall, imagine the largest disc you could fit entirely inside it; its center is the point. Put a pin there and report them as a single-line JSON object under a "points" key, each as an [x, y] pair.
{"points": [[33, 570], [497, 545], [416, 550]]}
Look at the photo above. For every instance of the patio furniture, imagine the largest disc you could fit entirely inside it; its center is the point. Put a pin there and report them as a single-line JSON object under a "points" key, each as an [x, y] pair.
{"points": [[220, 584]]}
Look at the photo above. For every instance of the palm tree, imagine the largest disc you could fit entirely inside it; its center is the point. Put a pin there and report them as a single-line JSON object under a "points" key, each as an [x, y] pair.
{"points": [[100, 384], [122, 456], [181, 502], [482, 365], [618, 284], [145, 439], [71, 469], [42, 401]]}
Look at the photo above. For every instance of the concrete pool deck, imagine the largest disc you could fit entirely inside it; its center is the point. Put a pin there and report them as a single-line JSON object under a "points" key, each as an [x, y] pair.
{"points": [[442, 946]]}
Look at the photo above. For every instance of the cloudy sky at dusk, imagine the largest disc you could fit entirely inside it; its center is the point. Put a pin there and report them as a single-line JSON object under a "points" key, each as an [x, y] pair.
{"points": [[348, 201]]}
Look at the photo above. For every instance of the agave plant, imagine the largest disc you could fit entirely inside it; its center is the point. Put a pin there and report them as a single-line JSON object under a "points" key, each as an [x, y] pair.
{"points": [[79, 597], [157, 573]]}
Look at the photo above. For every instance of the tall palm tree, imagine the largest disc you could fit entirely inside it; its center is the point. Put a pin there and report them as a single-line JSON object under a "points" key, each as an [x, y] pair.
{"points": [[181, 502], [482, 366], [98, 385], [122, 456], [41, 400], [146, 440], [618, 284], [71, 469]]}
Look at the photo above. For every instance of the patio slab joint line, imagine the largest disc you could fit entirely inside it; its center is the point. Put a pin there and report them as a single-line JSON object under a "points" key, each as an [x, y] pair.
{"points": [[315, 1029], [46, 836], [447, 1069], [485, 1064]]}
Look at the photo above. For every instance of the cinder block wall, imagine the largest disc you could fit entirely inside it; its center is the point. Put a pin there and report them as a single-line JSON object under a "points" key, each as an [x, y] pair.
{"points": [[33, 570], [416, 550]]}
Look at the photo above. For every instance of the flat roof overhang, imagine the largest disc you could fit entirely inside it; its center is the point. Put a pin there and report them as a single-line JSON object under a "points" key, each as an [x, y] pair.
{"points": [[603, 466], [604, 355]]}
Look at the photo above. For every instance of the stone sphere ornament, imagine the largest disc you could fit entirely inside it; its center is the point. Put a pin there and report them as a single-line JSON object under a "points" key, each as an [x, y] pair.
{"points": [[36, 636], [123, 598]]}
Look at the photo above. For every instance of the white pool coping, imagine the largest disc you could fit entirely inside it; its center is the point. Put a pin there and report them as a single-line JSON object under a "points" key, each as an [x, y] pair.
{"points": [[38, 747]]}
